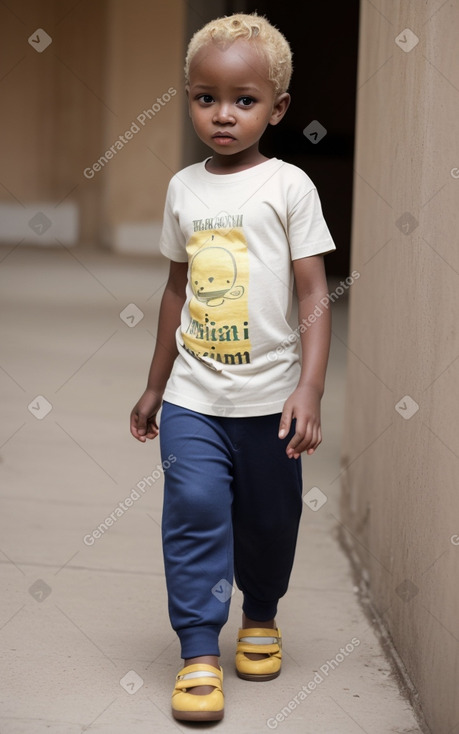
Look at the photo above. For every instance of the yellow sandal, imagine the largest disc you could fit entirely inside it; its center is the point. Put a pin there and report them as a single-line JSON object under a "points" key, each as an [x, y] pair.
{"points": [[194, 707], [259, 640]]}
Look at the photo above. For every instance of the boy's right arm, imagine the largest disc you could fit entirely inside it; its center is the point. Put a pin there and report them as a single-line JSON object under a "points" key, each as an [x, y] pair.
{"points": [[143, 415]]}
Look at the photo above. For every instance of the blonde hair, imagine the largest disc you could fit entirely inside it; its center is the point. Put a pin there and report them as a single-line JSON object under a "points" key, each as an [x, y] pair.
{"points": [[269, 39]]}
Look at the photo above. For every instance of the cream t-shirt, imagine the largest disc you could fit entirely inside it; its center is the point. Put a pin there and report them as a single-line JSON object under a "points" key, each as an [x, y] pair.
{"points": [[239, 233]]}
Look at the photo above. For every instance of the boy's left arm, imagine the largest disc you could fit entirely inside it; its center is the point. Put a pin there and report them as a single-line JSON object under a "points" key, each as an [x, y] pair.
{"points": [[304, 403]]}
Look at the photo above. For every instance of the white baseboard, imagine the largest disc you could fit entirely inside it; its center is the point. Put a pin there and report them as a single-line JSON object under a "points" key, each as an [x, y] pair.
{"points": [[47, 224], [137, 239], [40, 223]]}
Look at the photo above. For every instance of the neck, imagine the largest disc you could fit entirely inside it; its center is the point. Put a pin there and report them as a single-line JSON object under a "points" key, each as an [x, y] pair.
{"points": [[234, 163]]}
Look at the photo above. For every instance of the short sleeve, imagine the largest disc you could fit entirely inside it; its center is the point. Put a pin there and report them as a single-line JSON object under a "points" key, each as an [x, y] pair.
{"points": [[308, 232], [172, 242]]}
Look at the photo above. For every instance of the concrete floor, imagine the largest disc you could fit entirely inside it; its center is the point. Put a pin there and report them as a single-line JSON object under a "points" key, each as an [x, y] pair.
{"points": [[84, 633]]}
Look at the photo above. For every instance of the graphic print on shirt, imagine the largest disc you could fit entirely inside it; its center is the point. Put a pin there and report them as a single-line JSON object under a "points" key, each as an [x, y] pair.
{"points": [[219, 315]]}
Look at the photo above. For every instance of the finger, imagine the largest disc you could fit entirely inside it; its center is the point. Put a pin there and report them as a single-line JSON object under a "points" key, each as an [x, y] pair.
{"points": [[317, 442], [296, 443], [136, 434], [142, 423], [307, 440], [285, 423], [133, 424], [152, 429], [136, 427]]}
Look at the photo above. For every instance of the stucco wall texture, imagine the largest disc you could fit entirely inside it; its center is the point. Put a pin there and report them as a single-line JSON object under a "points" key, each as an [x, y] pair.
{"points": [[400, 499]]}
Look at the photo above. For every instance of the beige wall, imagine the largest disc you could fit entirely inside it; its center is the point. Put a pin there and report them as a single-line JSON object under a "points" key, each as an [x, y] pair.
{"points": [[145, 61], [64, 107], [400, 498], [51, 116]]}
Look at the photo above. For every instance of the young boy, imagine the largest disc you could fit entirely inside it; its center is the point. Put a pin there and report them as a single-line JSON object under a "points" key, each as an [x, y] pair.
{"points": [[239, 405]]}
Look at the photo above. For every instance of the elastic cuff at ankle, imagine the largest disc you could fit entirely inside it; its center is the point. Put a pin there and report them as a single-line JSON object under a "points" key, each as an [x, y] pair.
{"points": [[198, 641], [261, 611]]}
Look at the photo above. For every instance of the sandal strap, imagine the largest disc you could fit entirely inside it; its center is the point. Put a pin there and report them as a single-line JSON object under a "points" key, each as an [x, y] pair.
{"points": [[184, 685], [260, 633], [265, 649], [259, 640], [199, 674], [199, 668]]}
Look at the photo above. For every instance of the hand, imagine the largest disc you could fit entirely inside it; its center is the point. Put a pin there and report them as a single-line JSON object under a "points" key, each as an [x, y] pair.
{"points": [[143, 416], [304, 405]]}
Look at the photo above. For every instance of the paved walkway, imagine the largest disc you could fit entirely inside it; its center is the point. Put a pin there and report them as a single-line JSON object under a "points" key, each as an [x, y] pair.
{"points": [[85, 639]]}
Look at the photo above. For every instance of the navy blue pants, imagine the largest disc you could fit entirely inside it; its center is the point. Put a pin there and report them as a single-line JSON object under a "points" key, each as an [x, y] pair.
{"points": [[232, 504]]}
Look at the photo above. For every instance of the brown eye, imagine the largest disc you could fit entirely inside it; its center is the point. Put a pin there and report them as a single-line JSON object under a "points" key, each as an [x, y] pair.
{"points": [[245, 101]]}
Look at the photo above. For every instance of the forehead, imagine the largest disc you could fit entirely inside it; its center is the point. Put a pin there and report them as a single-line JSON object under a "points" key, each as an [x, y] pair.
{"points": [[239, 63]]}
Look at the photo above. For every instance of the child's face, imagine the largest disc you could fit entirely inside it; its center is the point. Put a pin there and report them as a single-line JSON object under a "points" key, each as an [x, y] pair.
{"points": [[231, 99]]}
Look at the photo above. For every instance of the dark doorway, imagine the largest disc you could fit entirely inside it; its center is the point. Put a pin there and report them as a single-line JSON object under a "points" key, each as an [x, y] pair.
{"points": [[324, 40]]}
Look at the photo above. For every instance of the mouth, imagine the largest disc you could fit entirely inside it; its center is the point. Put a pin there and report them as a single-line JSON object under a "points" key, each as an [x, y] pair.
{"points": [[223, 138]]}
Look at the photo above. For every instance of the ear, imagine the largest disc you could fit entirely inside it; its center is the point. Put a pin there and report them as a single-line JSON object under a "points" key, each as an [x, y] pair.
{"points": [[280, 107]]}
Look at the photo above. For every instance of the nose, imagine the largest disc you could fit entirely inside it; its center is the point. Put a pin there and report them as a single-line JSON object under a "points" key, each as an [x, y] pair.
{"points": [[223, 114]]}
